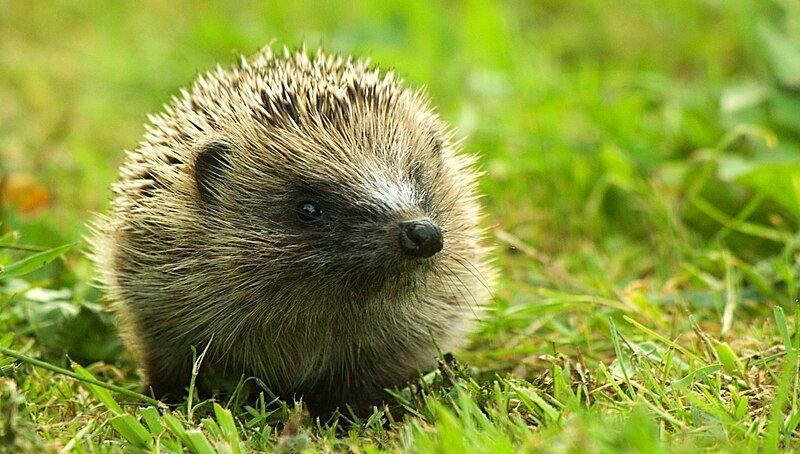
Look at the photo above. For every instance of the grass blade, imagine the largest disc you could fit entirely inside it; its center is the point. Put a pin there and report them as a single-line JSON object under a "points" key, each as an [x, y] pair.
{"points": [[131, 429], [775, 423], [152, 418], [730, 362], [101, 394], [178, 430], [34, 262], [82, 378], [228, 427], [200, 444]]}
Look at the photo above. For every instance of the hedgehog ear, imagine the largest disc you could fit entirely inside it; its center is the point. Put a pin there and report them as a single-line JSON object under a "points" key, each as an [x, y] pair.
{"points": [[211, 162]]}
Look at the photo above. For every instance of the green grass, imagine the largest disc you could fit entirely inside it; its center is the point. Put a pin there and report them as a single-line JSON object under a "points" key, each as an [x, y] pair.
{"points": [[643, 188]]}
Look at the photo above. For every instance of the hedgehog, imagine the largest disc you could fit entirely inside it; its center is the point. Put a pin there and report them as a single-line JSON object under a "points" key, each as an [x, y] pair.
{"points": [[302, 218]]}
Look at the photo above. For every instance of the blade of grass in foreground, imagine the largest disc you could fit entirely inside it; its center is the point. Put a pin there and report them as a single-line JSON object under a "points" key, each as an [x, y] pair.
{"points": [[34, 262], [776, 416], [92, 381]]}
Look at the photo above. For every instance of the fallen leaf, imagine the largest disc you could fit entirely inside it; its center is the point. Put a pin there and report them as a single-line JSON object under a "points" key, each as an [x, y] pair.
{"points": [[25, 194]]}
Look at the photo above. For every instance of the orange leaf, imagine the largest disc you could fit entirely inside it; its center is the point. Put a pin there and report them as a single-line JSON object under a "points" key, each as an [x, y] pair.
{"points": [[25, 194]]}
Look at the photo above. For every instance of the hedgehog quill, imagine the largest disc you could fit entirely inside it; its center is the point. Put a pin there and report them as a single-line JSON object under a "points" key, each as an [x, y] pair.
{"points": [[309, 219]]}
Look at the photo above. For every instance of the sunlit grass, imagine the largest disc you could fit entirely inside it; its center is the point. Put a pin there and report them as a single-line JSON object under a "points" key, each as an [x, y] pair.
{"points": [[642, 182]]}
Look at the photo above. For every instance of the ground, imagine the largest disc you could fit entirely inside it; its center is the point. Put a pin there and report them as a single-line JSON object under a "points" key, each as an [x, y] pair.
{"points": [[642, 181]]}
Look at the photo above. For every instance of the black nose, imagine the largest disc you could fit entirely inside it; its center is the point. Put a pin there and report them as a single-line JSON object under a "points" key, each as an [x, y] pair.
{"points": [[420, 238]]}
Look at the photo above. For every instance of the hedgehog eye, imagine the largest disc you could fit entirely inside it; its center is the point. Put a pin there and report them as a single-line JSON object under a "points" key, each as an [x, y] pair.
{"points": [[308, 212]]}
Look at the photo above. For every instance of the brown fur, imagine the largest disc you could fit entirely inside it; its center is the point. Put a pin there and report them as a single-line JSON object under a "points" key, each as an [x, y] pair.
{"points": [[203, 248]]}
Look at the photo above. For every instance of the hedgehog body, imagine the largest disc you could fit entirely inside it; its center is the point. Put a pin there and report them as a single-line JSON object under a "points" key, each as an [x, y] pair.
{"points": [[307, 221]]}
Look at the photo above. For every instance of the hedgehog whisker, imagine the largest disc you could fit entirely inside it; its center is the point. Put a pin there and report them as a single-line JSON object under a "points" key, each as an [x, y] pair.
{"points": [[476, 273], [469, 301], [451, 285]]}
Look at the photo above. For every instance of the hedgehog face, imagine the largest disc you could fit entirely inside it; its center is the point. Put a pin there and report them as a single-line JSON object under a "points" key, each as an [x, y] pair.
{"points": [[366, 229], [373, 222], [370, 223]]}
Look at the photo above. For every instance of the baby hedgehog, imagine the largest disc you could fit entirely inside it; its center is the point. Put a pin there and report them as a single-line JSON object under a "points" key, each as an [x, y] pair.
{"points": [[306, 220]]}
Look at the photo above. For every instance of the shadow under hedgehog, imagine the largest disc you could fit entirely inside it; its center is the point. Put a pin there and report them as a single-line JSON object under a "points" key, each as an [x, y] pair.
{"points": [[307, 219]]}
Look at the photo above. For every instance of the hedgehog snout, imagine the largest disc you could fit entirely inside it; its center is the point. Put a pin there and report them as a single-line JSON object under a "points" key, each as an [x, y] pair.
{"points": [[420, 238]]}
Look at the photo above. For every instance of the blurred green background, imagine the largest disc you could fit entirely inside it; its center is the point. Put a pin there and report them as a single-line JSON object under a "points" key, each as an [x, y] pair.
{"points": [[552, 94], [621, 140], [642, 160]]}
